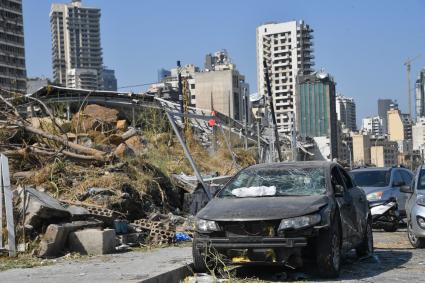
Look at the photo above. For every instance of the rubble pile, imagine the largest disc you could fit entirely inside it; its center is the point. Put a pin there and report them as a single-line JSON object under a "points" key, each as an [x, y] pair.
{"points": [[95, 173]]}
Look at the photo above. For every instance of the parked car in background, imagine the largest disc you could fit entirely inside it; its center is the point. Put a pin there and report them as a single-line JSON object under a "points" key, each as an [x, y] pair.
{"points": [[383, 183], [415, 209], [282, 213]]}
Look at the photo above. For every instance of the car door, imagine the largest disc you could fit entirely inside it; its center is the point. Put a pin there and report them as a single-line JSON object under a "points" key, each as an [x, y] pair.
{"points": [[346, 211], [397, 182], [360, 204], [411, 198], [407, 178]]}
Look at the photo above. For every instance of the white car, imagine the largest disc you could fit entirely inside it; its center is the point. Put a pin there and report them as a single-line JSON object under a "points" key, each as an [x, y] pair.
{"points": [[415, 209]]}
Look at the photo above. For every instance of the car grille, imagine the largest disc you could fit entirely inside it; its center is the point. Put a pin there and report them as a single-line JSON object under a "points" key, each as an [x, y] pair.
{"points": [[251, 228]]}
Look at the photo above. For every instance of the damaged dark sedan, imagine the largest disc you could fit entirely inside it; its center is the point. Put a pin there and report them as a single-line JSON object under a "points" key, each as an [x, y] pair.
{"points": [[284, 214]]}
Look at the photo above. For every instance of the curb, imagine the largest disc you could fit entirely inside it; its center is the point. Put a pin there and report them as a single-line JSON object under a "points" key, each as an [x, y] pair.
{"points": [[172, 276]]}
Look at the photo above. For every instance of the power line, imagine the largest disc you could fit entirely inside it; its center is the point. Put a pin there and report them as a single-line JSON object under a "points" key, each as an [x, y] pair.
{"points": [[129, 86]]}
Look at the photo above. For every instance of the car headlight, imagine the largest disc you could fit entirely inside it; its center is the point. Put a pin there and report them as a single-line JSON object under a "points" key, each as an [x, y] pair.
{"points": [[421, 201], [206, 225], [374, 196], [300, 222]]}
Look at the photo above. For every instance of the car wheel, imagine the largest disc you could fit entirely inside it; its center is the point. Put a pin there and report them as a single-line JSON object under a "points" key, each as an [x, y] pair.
{"points": [[391, 227], [199, 261], [328, 251], [366, 247], [415, 241]]}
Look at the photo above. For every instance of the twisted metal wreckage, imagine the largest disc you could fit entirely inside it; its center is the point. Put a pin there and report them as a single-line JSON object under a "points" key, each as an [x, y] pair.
{"points": [[15, 108]]}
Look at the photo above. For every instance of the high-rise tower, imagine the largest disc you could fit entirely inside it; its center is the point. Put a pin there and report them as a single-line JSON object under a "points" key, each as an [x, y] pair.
{"points": [[287, 49], [76, 50], [12, 52]]}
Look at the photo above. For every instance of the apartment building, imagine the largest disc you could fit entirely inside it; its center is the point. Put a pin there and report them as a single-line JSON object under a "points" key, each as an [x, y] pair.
{"points": [[287, 49], [399, 125], [418, 134], [385, 154], [361, 149], [420, 94], [76, 48], [373, 126], [315, 103], [346, 112], [13, 73], [383, 106]]}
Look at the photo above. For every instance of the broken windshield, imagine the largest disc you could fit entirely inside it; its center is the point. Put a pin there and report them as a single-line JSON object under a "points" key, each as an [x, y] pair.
{"points": [[276, 182]]}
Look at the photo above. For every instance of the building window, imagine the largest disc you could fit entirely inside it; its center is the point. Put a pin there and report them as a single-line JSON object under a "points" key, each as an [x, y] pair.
{"points": [[192, 86]]}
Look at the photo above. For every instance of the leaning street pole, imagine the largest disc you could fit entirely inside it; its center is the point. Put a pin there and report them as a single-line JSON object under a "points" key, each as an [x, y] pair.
{"points": [[269, 91], [180, 90]]}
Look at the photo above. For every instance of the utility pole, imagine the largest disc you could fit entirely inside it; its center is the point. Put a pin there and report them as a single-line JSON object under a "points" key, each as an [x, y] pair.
{"points": [[269, 91], [245, 105], [408, 65], [180, 90]]}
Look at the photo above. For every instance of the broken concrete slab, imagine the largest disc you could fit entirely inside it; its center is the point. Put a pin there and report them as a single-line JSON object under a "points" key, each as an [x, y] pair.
{"points": [[106, 115], [123, 151], [92, 241], [78, 212], [41, 208], [54, 239]]}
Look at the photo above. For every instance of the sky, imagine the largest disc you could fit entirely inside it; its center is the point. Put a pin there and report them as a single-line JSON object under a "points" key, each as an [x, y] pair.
{"points": [[362, 44]]}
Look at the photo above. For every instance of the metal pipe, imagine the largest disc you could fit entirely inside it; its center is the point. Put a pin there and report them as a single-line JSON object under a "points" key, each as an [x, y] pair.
{"points": [[269, 90], [188, 155], [258, 141], [180, 90]]}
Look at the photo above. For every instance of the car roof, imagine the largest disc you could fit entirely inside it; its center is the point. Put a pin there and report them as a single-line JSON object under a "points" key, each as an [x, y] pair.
{"points": [[372, 169], [292, 164]]}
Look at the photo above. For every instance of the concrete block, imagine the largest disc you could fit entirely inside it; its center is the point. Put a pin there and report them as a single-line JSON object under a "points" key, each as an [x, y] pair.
{"points": [[54, 239], [42, 208], [93, 241]]}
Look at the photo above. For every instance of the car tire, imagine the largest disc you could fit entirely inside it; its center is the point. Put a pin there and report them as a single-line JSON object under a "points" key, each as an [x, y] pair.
{"points": [[416, 242], [391, 228], [328, 251], [366, 247], [199, 261]]}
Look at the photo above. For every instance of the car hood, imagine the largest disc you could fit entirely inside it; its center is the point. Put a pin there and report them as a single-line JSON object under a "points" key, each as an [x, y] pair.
{"points": [[261, 208], [369, 190]]}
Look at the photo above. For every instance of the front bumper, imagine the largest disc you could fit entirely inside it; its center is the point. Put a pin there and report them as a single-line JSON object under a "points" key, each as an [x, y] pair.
{"points": [[250, 242], [417, 210]]}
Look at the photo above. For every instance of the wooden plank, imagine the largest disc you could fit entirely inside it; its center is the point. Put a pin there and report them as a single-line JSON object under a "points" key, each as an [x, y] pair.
{"points": [[8, 202]]}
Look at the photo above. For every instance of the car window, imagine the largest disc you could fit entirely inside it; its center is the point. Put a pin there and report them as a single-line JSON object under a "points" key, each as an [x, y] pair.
{"points": [[346, 178], [261, 182], [407, 177], [421, 181], [397, 179], [371, 178]]}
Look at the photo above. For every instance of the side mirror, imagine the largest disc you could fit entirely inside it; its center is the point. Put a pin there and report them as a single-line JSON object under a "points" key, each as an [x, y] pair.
{"points": [[339, 191], [406, 189]]}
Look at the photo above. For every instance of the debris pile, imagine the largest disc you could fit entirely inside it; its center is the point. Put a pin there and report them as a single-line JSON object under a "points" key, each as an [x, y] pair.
{"points": [[95, 177]]}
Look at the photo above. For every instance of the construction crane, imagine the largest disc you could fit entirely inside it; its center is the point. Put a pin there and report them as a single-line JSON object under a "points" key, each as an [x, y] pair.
{"points": [[408, 64]]}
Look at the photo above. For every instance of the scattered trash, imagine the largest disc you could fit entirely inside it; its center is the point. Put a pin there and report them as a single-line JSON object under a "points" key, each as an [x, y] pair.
{"points": [[181, 236]]}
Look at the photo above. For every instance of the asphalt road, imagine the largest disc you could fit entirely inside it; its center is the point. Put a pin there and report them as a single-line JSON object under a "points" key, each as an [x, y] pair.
{"points": [[394, 260]]}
